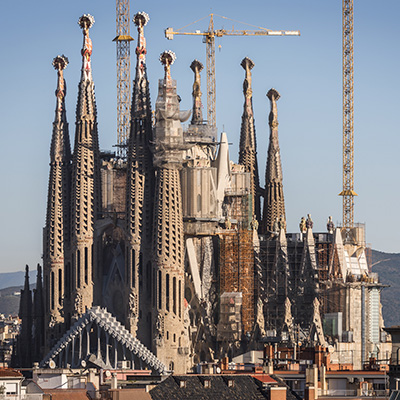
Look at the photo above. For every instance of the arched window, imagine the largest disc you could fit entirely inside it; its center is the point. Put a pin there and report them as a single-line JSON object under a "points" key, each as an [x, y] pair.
{"points": [[59, 286], [86, 266], [133, 269], [174, 295], [167, 292], [52, 290], [78, 268], [159, 290]]}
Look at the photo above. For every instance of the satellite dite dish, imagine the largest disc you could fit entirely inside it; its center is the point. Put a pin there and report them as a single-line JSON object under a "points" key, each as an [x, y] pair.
{"points": [[83, 364], [108, 374], [52, 364]]}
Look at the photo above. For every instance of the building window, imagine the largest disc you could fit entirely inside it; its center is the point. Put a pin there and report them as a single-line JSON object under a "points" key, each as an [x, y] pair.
{"points": [[167, 292], [159, 290], [52, 290], [78, 268], [86, 266], [59, 286], [180, 299], [174, 295], [133, 269]]}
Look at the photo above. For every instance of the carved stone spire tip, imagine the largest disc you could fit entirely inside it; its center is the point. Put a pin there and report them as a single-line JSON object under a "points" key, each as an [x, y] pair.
{"points": [[60, 62], [196, 64], [167, 57], [141, 19], [86, 21], [247, 63], [273, 94]]}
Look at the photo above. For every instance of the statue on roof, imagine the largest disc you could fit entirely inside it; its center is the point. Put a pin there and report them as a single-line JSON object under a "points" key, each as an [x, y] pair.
{"points": [[309, 222], [330, 226], [302, 225]]}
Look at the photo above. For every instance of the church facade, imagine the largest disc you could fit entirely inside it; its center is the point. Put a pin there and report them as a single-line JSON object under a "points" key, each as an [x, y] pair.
{"points": [[180, 244]]}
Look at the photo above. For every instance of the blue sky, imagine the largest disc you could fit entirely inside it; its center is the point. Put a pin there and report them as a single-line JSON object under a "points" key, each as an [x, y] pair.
{"points": [[306, 70]]}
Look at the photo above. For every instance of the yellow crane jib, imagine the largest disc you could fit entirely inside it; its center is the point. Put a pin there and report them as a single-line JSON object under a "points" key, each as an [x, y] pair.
{"points": [[209, 38]]}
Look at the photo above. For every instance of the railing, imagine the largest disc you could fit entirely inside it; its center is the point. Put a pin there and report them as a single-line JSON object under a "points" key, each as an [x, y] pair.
{"points": [[33, 396], [353, 393], [337, 392]]}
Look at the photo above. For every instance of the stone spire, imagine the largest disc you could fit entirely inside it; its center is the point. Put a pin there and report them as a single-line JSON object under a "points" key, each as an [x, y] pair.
{"points": [[274, 203], [169, 333], [57, 229], [86, 185], [248, 146], [24, 352], [140, 196], [197, 114], [38, 316]]}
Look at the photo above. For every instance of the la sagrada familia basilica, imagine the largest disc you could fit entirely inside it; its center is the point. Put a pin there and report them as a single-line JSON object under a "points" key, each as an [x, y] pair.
{"points": [[175, 254]]}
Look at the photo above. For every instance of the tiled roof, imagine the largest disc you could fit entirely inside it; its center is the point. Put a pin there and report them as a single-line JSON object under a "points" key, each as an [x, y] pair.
{"points": [[9, 373], [195, 387], [67, 394]]}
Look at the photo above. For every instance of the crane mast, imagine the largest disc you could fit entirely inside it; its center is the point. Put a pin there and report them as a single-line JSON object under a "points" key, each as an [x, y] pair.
{"points": [[348, 192], [210, 65], [209, 39], [123, 40]]}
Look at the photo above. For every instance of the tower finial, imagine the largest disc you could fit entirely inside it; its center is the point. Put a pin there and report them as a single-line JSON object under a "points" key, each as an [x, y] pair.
{"points": [[247, 64], [197, 115], [86, 22], [167, 58], [140, 19], [59, 64], [274, 96]]}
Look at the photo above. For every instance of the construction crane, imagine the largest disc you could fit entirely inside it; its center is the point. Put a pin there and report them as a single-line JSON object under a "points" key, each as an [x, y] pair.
{"points": [[123, 40], [209, 39], [348, 192]]}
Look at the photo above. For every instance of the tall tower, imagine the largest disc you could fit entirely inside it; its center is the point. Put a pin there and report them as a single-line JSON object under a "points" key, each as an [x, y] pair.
{"points": [[248, 146], [86, 185], [274, 202], [24, 345], [140, 197], [57, 230], [169, 335], [38, 317], [197, 115]]}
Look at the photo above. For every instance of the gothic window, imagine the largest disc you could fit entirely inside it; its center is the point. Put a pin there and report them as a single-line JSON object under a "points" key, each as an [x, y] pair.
{"points": [[167, 292], [78, 268], [67, 280], [133, 272], [159, 290], [52, 290], [174, 294], [179, 299], [86, 265], [59, 286]]}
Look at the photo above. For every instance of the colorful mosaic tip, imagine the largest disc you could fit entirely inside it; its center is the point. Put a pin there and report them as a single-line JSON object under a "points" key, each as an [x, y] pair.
{"points": [[167, 57], [60, 62], [86, 21], [141, 18]]}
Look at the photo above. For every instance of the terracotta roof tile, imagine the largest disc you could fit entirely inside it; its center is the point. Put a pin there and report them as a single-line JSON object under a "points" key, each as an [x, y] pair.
{"points": [[9, 372], [67, 394]]}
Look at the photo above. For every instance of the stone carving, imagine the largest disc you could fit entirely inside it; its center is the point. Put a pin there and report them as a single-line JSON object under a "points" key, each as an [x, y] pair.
{"points": [[309, 222], [282, 223], [132, 303], [330, 226], [78, 304], [302, 225]]}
